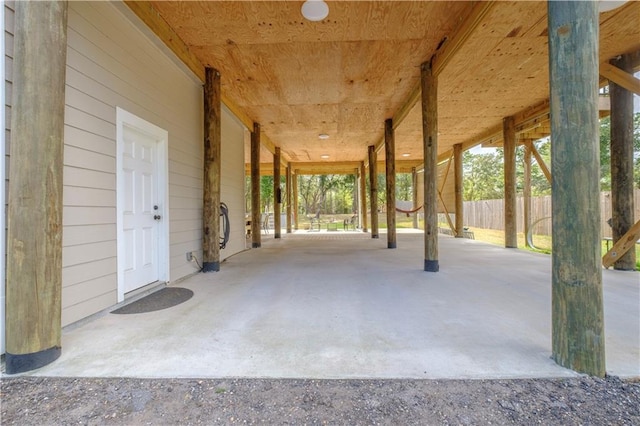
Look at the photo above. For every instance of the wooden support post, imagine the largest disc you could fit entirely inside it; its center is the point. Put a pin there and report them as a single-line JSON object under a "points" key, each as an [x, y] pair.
{"points": [[390, 170], [277, 194], [526, 192], [414, 197], [429, 84], [578, 340], [373, 190], [294, 181], [212, 149], [34, 235], [356, 197], [288, 190], [363, 197], [256, 237], [622, 204], [510, 223], [459, 190]]}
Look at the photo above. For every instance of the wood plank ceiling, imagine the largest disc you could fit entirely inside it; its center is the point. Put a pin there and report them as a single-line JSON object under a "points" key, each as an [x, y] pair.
{"points": [[345, 75]]}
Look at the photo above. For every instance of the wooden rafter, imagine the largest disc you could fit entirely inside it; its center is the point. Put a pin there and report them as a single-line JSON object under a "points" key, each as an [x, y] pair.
{"points": [[451, 46], [152, 19], [619, 77], [541, 163], [442, 57]]}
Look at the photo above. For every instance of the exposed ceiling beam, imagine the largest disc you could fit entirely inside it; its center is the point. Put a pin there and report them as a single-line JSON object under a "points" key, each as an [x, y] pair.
{"points": [[152, 19], [145, 11], [441, 58], [620, 77], [451, 45], [335, 168]]}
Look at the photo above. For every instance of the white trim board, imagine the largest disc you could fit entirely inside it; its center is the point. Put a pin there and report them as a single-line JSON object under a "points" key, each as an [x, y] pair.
{"points": [[3, 176]]}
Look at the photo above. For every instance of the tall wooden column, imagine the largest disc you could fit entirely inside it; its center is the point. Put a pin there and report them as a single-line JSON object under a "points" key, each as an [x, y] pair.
{"points": [[34, 235], [294, 181], [390, 169], [277, 194], [256, 236], [373, 190], [429, 83], [363, 196], [459, 190], [622, 204], [414, 197], [356, 194], [510, 223], [212, 148], [526, 191], [578, 340], [288, 190]]}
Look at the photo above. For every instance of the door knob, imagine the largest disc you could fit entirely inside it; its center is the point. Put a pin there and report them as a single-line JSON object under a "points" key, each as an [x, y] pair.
{"points": [[157, 217]]}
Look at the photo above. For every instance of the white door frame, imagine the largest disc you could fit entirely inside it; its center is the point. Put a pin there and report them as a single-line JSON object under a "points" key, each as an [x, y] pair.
{"points": [[124, 118]]}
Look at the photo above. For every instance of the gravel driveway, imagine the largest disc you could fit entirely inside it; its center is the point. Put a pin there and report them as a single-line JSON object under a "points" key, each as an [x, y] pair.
{"points": [[60, 401]]}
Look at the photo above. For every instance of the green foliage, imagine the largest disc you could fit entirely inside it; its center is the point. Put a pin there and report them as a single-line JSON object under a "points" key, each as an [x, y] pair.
{"points": [[326, 194], [266, 193], [539, 183], [483, 176], [404, 187]]}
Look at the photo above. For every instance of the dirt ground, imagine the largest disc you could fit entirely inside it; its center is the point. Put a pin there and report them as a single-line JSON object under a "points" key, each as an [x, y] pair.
{"points": [[118, 401]]}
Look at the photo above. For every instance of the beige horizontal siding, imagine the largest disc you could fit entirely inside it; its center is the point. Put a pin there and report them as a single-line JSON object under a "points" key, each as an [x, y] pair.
{"points": [[86, 234], [110, 64], [72, 313], [232, 193]]}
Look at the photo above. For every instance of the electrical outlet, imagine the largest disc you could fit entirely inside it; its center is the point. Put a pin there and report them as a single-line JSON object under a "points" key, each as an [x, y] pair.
{"points": [[189, 256]]}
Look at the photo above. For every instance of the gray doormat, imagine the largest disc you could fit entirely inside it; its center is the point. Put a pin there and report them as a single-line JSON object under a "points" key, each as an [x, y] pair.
{"points": [[161, 299]]}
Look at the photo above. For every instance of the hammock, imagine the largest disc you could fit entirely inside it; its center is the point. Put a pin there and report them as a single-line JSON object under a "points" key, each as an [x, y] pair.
{"points": [[408, 212]]}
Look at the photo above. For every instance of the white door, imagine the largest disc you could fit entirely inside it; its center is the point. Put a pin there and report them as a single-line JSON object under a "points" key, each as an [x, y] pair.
{"points": [[141, 213]]}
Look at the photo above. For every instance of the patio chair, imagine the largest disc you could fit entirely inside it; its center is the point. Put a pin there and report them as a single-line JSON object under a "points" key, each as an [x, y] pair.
{"points": [[350, 222], [265, 222]]}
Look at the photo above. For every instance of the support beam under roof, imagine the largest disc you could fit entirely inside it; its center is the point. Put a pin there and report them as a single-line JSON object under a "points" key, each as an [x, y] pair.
{"points": [[152, 19]]}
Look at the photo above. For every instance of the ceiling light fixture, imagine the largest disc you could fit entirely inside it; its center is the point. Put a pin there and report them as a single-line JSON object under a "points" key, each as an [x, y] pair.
{"points": [[406, 154], [608, 5], [315, 10], [324, 156], [323, 136]]}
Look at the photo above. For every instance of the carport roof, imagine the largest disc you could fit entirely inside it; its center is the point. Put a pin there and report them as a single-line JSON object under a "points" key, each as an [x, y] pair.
{"points": [[345, 75]]}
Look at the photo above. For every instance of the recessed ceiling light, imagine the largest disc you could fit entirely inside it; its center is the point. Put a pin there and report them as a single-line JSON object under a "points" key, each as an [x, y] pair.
{"points": [[406, 154], [324, 156], [323, 136], [315, 10]]}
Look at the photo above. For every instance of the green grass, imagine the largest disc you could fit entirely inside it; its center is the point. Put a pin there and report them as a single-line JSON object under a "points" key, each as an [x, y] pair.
{"points": [[543, 242], [491, 236]]}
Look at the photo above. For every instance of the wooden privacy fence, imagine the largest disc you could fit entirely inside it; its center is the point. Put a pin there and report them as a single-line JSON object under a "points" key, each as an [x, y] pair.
{"points": [[489, 214]]}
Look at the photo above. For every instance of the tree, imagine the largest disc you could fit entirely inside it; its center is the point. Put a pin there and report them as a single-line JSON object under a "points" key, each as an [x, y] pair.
{"points": [[404, 186], [483, 176], [266, 193]]}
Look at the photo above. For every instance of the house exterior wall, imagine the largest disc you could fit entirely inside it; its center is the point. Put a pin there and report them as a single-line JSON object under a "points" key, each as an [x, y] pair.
{"points": [[233, 181], [112, 63]]}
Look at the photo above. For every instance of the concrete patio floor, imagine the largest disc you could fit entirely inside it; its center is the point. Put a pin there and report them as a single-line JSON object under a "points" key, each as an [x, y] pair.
{"points": [[341, 305]]}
